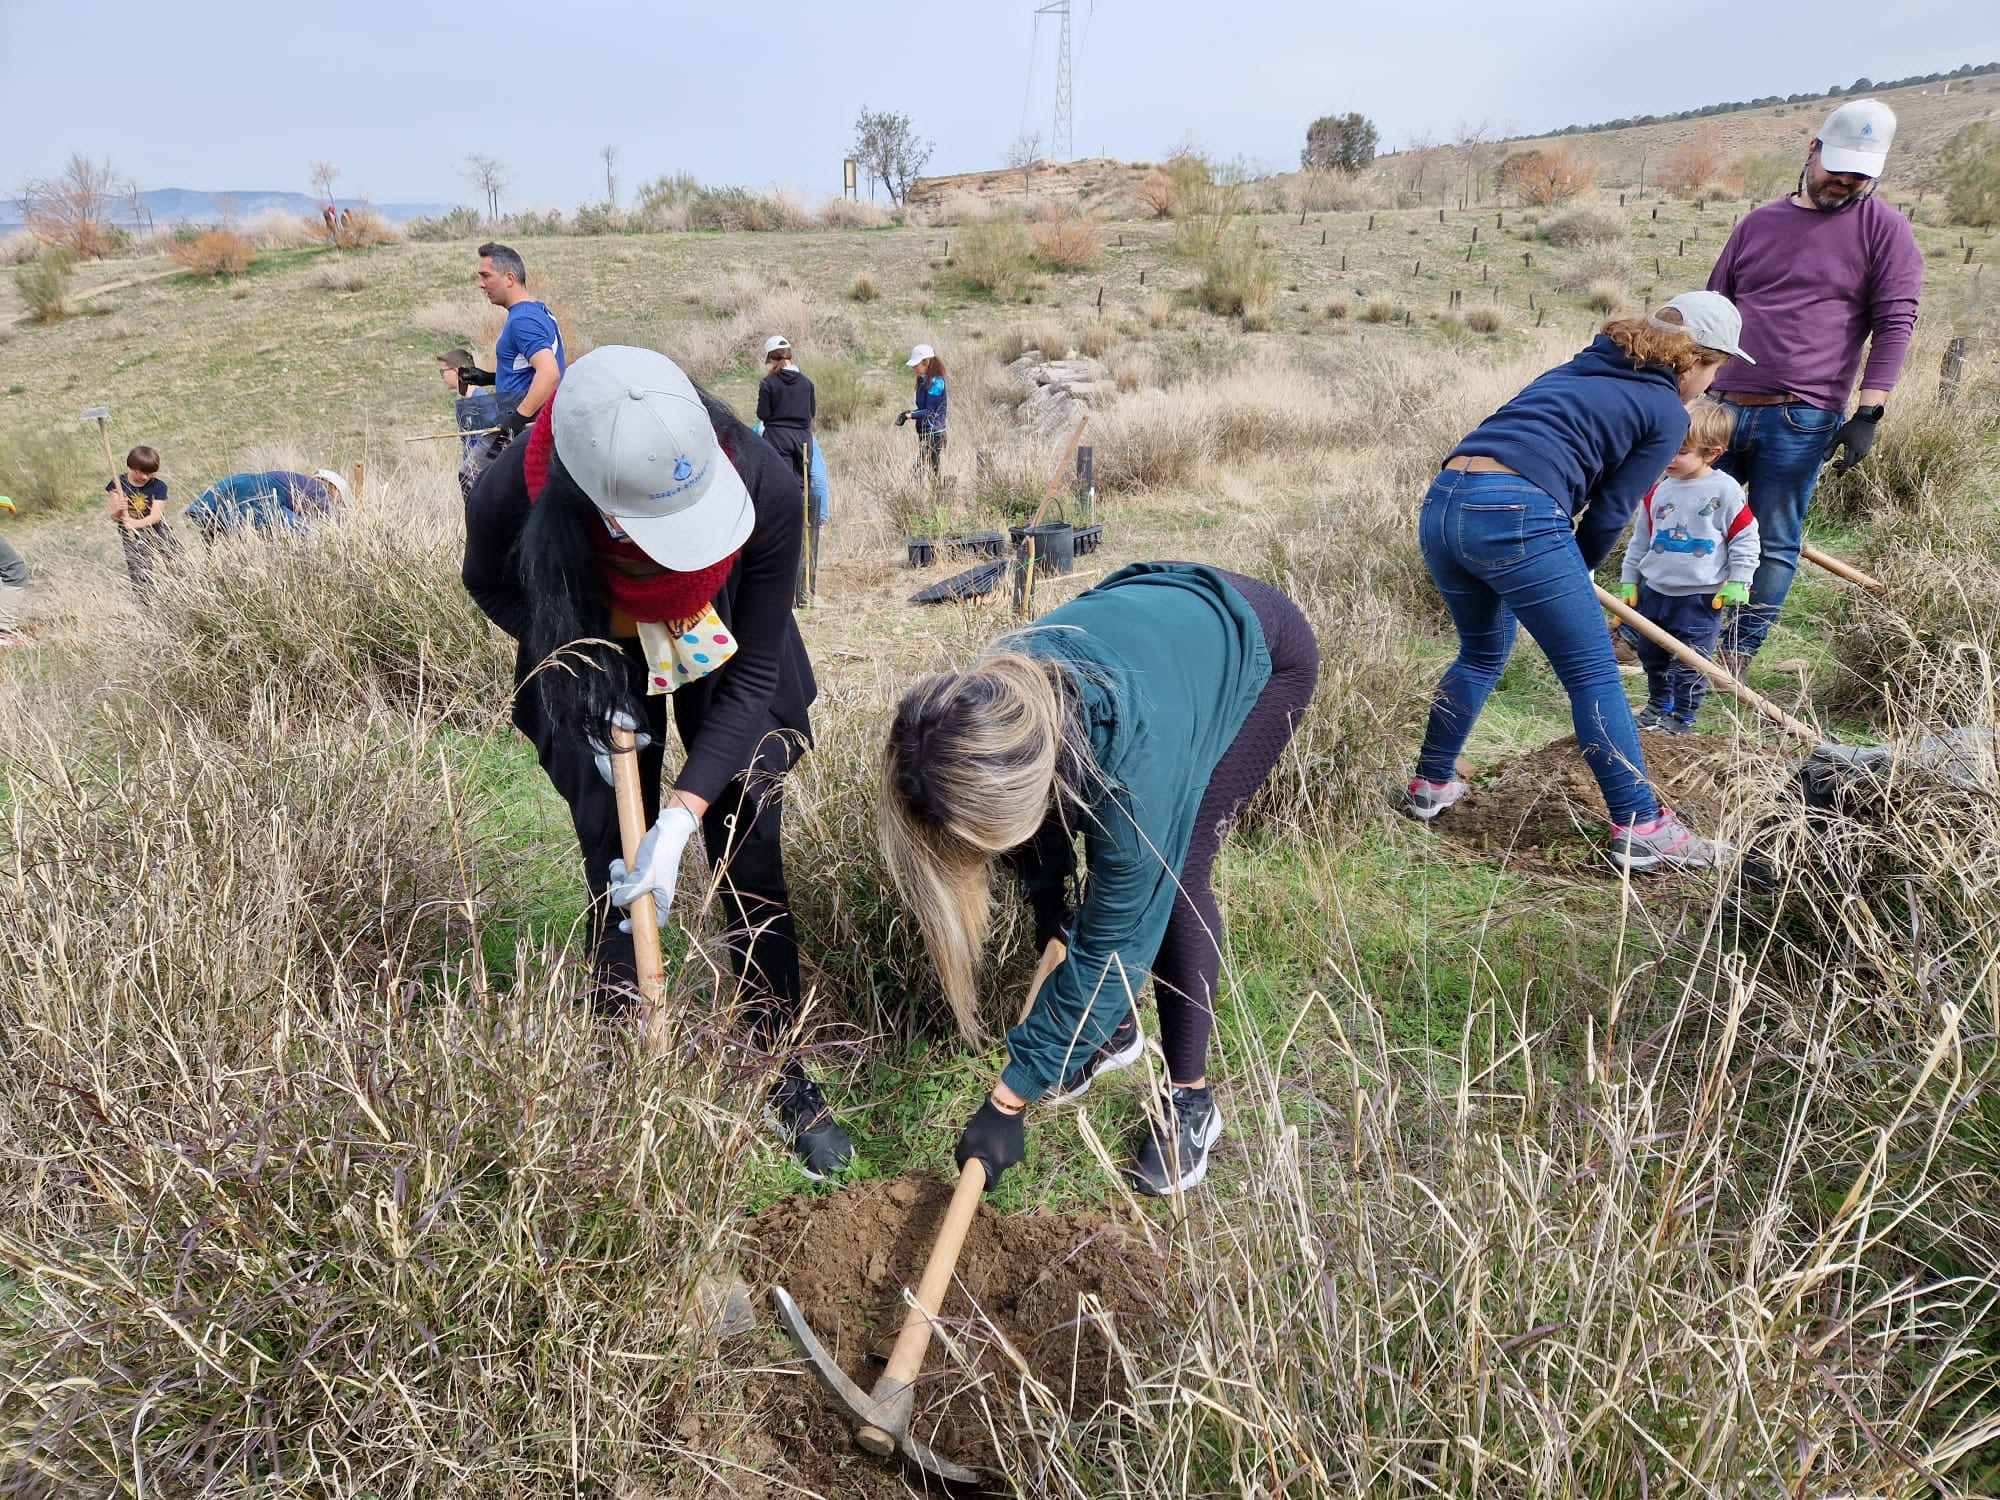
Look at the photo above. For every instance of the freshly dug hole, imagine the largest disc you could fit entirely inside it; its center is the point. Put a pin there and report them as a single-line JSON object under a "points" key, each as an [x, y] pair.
{"points": [[1051, 1284], [1535, 806]]}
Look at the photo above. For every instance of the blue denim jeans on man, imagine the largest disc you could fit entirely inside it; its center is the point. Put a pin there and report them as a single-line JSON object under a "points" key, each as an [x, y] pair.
{"points": [[1500, 549], [1672, 686], [1775, 454]]}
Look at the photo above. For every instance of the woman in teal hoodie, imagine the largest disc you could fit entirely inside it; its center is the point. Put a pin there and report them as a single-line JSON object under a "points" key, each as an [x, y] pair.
{"points": [[1144, 715]]}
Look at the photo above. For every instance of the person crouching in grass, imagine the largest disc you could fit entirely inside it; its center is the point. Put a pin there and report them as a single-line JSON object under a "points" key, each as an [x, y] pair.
{"points": [[1694, 549]]}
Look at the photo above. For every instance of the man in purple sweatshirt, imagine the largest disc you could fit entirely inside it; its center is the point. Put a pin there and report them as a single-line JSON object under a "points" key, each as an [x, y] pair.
{"points": [[1820, 277]]}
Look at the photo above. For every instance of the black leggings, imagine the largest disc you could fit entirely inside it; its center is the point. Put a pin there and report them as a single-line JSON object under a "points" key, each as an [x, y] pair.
{"points": [[740, 831], [1190, 960]]}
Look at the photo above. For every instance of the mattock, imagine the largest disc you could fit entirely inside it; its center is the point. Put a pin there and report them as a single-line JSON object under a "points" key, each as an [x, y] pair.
{"points": [[884, 1413]]}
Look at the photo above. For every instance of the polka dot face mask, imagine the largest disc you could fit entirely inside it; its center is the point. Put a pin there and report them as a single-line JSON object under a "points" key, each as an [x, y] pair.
{"points": [[676, 654]]}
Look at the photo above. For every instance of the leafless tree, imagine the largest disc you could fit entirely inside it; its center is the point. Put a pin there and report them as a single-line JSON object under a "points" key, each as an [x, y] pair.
{"points": [[1473, 140], [1023, 155], [74, 208], [1418, 154], [610, 155], [324, 175], [490, 177]]}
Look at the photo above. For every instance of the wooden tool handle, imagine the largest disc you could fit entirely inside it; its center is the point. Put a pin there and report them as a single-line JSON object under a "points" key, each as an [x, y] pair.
{"points": [[1840, 569], [1052, 957], [908, 1355], [631, 831], [1720, 676], [104, 432]]}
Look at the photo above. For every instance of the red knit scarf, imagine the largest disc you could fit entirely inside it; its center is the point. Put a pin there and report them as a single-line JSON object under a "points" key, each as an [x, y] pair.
{"points": [[633, 582]]}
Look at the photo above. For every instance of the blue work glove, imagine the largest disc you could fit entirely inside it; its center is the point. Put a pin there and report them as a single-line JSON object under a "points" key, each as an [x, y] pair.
{"points": [[601, 748], [999, 1141], [1855, 438], [658, 866]]}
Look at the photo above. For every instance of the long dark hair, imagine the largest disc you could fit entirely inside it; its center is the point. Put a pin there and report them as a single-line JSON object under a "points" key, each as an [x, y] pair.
{"points": [[581, 676]]}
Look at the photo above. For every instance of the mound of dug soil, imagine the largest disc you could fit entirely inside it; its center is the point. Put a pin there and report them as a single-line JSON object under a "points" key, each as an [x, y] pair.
{"points": [[1049, 1285], [1544, 808]]}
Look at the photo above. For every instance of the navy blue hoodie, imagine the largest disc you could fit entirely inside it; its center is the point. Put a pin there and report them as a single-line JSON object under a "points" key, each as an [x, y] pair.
{"points": [[1596, 434]]}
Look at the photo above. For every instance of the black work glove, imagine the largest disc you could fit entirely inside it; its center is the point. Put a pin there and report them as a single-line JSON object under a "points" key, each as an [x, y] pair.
{"points": [[473, 375], [999, 1140], [1855, 438], [902, 417], [512, 423]]}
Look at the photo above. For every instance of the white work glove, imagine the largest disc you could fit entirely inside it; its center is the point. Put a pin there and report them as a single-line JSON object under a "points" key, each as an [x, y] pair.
{"points": [[657, 867], [620, 720]]}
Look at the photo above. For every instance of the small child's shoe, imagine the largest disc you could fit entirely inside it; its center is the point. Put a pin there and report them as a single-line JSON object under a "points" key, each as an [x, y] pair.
{"points": [[1652, 716]]}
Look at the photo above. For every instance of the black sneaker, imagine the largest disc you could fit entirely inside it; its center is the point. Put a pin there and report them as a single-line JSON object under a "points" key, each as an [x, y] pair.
{"points": [[1675, 724], [1190, 1124], [797, 1111], [1125, 1047], [1652, 717]]}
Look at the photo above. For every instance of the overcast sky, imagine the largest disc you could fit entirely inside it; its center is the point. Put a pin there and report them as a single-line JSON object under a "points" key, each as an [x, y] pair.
{"points": [[240, 96]]}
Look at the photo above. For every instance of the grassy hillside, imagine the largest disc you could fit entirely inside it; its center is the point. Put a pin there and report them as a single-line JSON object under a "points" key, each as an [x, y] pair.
{"points": [[313, 1177]]}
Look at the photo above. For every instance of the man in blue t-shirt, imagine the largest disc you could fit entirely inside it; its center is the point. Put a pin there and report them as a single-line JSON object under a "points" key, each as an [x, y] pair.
{"points": [[529, 356]]}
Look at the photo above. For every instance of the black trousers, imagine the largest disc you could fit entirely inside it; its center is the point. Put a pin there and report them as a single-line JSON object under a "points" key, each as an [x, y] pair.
{"points": [[741, 834], [1189, 964]]}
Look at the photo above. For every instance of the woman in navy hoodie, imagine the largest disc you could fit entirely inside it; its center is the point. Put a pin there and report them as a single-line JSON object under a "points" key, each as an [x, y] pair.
{"points": [[1524, 509]]}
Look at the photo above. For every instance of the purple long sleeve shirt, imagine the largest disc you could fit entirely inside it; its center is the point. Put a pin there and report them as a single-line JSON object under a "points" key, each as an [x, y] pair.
{"points": [[1815, 289]]}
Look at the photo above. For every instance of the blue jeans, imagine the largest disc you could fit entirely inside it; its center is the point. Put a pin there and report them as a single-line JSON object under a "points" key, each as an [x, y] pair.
{"points": [[1672, 686], [1775, 454], [1500, 549]]}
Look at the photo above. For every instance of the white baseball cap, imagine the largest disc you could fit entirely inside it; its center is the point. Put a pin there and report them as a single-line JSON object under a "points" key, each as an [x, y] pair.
{"points": [[632, 431], [1710, 319], [774, 343], [1856, 137], [329, 478], [918, 355]]}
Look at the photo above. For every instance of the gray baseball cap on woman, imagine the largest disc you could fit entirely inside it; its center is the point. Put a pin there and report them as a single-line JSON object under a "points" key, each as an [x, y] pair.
{"points": [[633, 433], [1710, 319]]}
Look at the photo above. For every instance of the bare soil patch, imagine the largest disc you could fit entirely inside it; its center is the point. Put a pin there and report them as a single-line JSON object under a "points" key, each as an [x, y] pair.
{"points": [[1046, 1286], [1544, 809]]}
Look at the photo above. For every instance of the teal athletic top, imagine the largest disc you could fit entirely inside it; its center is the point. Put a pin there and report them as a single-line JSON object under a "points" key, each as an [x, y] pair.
{"points": [[1168, 661]]}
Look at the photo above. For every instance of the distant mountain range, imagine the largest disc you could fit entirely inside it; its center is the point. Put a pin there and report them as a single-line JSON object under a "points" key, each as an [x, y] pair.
{"points": [[189, 206]]}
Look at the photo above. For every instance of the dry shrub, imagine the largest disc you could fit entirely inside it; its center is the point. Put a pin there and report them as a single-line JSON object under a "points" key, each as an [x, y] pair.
{"points": [[995, 257], [1689, 169], [852, 213], [960, 207], [275, 229], [43, 285], [1381, 310], [18, 248], [1236, 279], [1050, 339], [1067, 244], [1544, 177], [1606, 295], [1584, 224], [44, 470], [842, 391], [1483, 319], [1099, 338], [863, 289], [1339, 309], [1136, 369], [467, 318], [1595, 266], [1157, 309], [1326, 192], [1156, 191], [341, 278], [362, 227], [215, 252]]}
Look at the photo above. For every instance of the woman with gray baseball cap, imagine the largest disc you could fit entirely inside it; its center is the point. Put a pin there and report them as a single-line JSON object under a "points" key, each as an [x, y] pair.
{"points": [[642, 513]]}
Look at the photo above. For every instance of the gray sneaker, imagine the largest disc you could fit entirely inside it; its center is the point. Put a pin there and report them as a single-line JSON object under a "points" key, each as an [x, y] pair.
{"points": [[1666, 840], [1651, 717], [1426, 799], [1125, 1047], [1172, 1151]]}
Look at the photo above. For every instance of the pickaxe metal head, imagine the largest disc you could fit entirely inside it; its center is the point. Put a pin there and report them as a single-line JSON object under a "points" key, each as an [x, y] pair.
{"points": [[96, 414], [884, 1414]]}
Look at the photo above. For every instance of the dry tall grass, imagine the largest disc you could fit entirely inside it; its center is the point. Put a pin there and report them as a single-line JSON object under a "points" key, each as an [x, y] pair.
{"points": [[214, 252]]}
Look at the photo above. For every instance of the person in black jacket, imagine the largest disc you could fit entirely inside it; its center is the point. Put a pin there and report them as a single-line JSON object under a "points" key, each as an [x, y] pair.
{"points": [[640, 511], [786, 406]]}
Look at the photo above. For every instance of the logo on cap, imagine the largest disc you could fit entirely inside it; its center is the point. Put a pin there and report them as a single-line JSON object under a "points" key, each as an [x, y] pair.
{"points": [[1868, 129], [682, 468]]}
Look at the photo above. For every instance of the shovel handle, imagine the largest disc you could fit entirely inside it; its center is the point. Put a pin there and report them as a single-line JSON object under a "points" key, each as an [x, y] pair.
{"points": [[631, 830], [908, 1355], [1720, 676], [1840, 569], [1052, 957]]}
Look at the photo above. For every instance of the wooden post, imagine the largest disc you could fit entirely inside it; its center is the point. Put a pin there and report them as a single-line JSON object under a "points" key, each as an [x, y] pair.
{"points": [[1950, 371], [1343, 260], [1527, 258], [360, 473], [1371, 221]]}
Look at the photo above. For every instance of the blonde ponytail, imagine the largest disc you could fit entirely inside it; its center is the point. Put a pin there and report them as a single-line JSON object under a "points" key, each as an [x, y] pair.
{"points": [[973, 764]]}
